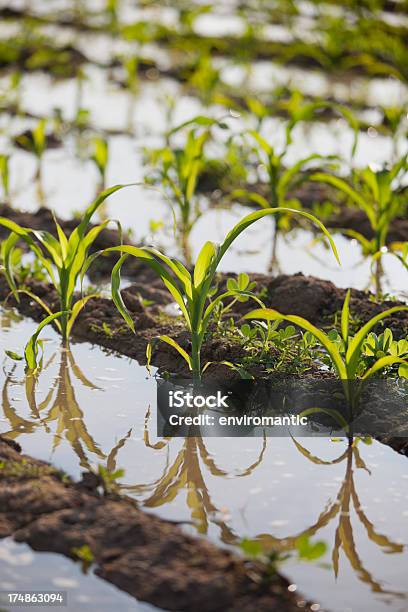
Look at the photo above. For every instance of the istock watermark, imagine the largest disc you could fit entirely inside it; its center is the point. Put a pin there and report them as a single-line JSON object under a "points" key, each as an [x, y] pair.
{"points": [[186, 399], [282, 407]]}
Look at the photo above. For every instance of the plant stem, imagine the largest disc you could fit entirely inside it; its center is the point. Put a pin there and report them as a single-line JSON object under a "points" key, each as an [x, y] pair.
{"points": [[185, 246], [274, 259], [195, 356], [38, 178], [377, 278]]}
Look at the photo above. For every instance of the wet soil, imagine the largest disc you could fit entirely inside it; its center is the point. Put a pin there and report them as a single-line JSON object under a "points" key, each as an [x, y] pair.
{"points": [[99, 322], [25, 141], [59, 61], [149, 558]]}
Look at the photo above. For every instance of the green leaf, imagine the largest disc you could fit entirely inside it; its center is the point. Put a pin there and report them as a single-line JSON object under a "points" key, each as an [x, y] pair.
{"points": [[31, 349], [268, 314], [354, 347], [149, 356], [76, 309], [259, 214], [251, 548], [204, 259], [14, 355], [384, 362], [310, 551], [345, 315], [341, 185], [178, 348], [116, 295]]}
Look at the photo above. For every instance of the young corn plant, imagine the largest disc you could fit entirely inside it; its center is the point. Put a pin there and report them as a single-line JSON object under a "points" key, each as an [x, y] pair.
{"points": [[193, 292], [346, 356], [36, 143], [379, 194], [100, 156], [280, 181], [178, 170], [4, 175], [63, 258]]}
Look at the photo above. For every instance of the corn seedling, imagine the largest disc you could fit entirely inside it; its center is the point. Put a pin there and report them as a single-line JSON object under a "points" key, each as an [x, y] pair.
{"points": [[63, 259], [192, 292], [178, 170], [345, 352], [4, 175], [205, 79], [36, 143], [376, 193], [100, 156], [280, 181], [112, 12]]}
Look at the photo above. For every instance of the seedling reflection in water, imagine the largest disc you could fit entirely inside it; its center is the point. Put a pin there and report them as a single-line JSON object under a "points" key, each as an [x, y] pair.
{"points": [[61, 411], [192, 292], [346, 499]]}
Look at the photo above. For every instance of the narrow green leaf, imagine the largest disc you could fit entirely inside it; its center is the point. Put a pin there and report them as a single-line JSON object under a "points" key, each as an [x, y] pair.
{"points": [[76, 309], [354, 348], [268, 314], [382, 363], [204, 259], [116, 295], [178, 348], [345, 315], [31, 349]]}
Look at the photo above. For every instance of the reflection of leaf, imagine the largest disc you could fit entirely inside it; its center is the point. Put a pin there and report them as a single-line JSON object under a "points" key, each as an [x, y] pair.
{"points": [[377, 538], [146, 435], [111, 462], [65, 410], [360, 464], [168, 487], [195, 503], [335, 554], [270, 542], [17, 423], [306, 453], [76, 370], [208, 460]]}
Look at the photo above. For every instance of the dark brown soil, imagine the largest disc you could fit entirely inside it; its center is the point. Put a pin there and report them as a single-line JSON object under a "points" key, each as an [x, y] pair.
{"points": [[149, 558], [315, 299], [58, 61], [25, 141]]}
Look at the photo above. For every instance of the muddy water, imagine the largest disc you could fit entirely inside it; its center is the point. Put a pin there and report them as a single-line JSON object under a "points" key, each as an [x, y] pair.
{"points": [[89, 408]]}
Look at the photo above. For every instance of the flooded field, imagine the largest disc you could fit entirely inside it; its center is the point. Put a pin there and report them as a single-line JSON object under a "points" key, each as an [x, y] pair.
{"points": [[273, 490], [175, 128]]}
